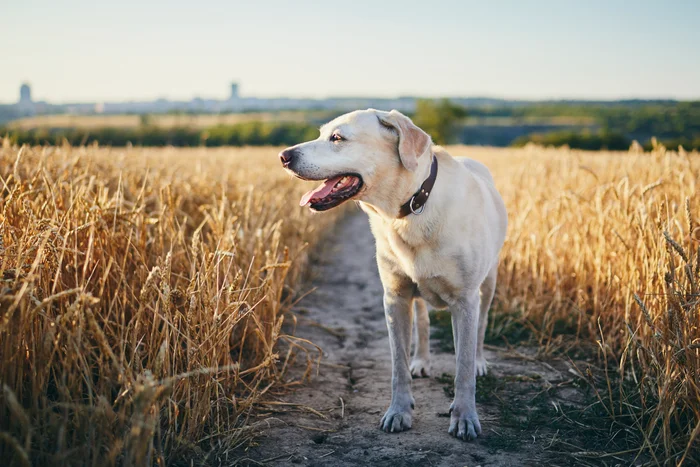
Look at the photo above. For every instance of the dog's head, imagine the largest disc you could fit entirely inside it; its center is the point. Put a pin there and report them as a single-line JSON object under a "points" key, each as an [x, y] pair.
{"points": [[367, 155]]}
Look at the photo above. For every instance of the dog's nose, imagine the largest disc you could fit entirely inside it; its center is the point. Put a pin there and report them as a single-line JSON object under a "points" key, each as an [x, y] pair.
{"points": [[287, 156]]}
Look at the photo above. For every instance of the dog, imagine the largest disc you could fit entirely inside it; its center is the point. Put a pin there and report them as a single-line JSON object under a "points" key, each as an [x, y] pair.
{"points": [[439, 225]]}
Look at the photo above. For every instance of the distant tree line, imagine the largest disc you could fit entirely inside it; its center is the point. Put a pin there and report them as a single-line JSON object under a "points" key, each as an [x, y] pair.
{"points": [[672, 123], [601, 140], [241, 134], [615, 126], [577, 140]]}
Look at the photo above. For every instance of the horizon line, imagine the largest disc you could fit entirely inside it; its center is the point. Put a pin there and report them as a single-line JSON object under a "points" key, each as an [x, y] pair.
{"points": [[370, 97]]}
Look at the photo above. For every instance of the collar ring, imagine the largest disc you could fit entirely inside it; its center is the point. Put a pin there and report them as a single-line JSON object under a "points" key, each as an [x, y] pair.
{"points": [[410, 206]]}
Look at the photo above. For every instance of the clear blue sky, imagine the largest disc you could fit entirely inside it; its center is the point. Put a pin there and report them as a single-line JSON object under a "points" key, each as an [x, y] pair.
{"points": [[85, 50]]}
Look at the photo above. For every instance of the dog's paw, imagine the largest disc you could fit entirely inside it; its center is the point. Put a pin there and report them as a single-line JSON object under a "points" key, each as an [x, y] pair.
{"points": [[482, 366], [397, 419], [420, 368], [464, 423]]}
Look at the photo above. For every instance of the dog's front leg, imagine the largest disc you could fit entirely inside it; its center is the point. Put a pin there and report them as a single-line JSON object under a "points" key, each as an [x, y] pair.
{"points": [[397, 308], [464, 421]]}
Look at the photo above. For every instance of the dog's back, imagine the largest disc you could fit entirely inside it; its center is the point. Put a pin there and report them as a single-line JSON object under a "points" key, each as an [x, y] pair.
{"points": [[493, 208], [476, 168]]}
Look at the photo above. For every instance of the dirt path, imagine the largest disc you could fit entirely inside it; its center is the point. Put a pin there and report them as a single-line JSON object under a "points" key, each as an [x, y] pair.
{"points": [[352, 391]]}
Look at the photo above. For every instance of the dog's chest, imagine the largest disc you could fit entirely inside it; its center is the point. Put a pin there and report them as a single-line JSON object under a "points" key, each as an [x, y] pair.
{"points": [[437, 274]]}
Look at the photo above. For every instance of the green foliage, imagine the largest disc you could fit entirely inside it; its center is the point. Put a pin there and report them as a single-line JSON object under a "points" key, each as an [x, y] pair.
{"points": [[582, 125], [259, 134], [242, 134], [663, 121], [672, 123], [688, 143], [441, 329], [575, 140], [440, 119]]}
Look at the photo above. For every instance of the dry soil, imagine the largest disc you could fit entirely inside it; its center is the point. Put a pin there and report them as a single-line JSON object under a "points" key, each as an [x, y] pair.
{"points": [[334, 419]]}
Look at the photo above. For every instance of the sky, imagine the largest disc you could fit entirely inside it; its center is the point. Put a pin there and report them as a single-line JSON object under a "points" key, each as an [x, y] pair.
{"points": [[85, 51]]}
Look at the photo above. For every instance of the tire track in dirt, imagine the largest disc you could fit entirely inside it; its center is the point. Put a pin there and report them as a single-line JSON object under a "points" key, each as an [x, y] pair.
{"points": [[352, 389]]}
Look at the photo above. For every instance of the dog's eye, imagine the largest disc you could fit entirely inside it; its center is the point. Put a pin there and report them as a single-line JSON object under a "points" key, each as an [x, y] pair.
{"points": [[335, 138]]}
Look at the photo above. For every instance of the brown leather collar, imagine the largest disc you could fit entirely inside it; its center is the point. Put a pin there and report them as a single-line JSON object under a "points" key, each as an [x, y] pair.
{"points": [[416, 204]]}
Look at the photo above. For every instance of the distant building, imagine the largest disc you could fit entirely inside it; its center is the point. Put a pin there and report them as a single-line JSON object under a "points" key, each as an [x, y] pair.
{"points": [[26, 106], [25, 94]]}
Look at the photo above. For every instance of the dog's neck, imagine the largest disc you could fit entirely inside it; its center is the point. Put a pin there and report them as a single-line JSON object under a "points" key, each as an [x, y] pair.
{"points": [[416, 204], [393, 194]]}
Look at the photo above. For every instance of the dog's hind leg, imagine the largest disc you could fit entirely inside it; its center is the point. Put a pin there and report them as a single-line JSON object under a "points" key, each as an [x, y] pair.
{"points": [[420, 364], [487, 289]]}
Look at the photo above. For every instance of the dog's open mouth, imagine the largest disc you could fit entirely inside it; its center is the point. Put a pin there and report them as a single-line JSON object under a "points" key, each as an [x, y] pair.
{"points": [[332, 192]]}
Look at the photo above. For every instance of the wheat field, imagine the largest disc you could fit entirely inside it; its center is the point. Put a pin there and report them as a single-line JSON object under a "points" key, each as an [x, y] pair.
{"points": [[143, 292], [142, 298], [605, 247]]}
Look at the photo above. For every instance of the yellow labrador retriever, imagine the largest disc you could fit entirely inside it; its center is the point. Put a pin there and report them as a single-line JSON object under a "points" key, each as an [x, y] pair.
{"points": [[439, 224]]}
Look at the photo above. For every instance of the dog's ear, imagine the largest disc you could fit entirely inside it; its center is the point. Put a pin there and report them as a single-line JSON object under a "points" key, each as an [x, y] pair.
{"points": [[413, 142]]}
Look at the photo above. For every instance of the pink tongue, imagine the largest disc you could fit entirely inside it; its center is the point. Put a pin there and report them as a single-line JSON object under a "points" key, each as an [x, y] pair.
{"points": [[319, 192]]}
